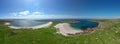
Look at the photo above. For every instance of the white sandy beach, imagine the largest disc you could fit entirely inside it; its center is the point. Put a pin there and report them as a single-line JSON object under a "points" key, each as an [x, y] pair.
{"points": [[6, 23], [35, 27], [65, 29]]}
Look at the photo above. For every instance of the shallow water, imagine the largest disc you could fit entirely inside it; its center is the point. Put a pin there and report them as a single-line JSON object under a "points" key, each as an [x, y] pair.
{"points": [[26, 23], [83, 25]]}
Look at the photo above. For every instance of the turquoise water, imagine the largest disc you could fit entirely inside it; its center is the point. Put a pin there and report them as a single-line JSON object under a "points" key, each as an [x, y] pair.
{"points": [[26, 23], [83, 25]]}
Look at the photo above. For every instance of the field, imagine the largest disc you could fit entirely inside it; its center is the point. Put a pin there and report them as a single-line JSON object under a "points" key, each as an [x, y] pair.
{"points": [[108, 33]]}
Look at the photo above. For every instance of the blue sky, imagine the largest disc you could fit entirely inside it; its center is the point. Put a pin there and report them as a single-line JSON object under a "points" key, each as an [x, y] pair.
{"points": [[52, 9]]}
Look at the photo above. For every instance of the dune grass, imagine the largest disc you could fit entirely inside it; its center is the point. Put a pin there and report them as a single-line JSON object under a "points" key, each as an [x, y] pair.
{"points": [[109, 33]]}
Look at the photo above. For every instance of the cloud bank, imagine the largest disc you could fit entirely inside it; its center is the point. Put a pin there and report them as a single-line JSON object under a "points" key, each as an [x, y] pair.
{"points": [[38, 15], [27, 14]]}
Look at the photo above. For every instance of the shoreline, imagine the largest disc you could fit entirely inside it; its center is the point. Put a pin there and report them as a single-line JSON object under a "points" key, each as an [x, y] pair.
{"points": [[66, 30], [92, 30], [34, 27]]}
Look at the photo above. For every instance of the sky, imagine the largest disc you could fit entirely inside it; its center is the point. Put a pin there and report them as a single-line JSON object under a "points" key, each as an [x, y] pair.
{"points": [[59, 9]]}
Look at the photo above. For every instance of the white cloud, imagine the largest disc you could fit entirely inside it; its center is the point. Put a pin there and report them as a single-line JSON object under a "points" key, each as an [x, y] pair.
{"points": [[24, 13], [39, 15], [14, 14], [27, 14]]}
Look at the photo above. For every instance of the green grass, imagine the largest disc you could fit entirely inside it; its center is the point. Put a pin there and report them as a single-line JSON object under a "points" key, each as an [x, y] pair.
{"points": [[104, 35]]}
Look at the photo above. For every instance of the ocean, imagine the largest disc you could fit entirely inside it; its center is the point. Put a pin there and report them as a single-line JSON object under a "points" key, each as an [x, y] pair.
{"points": [[26, 23], [84, 24]]}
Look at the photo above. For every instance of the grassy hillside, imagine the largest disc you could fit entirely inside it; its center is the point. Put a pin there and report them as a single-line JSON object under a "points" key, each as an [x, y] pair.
{"points": [[109, 33]]}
